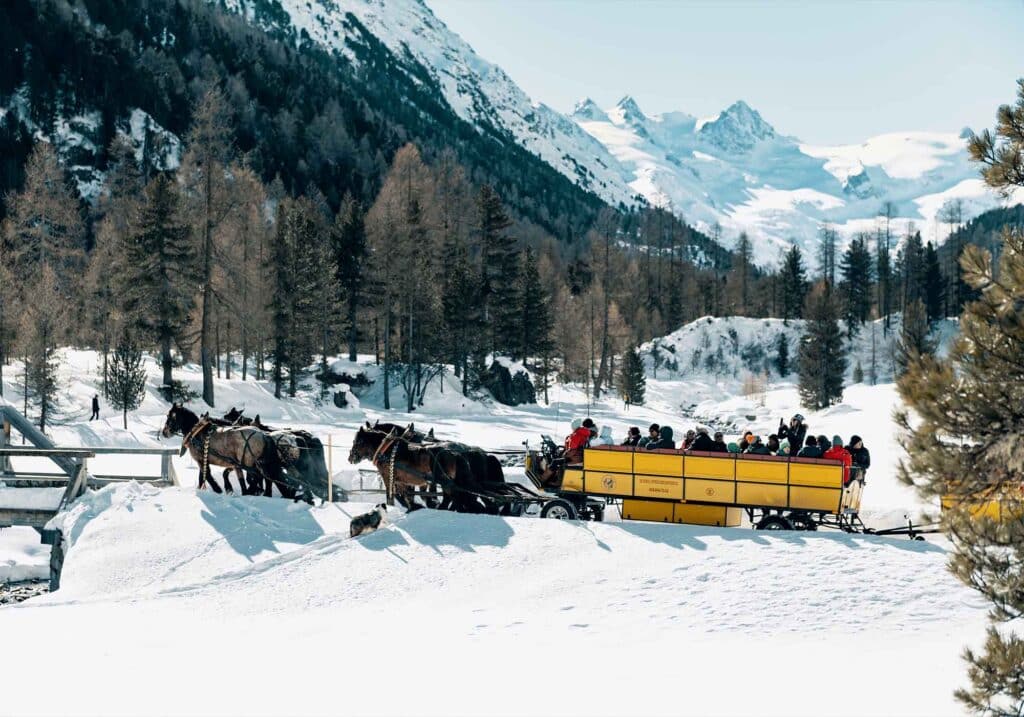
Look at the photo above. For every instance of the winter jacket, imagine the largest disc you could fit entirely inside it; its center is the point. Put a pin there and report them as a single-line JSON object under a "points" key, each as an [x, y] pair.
{"points": [[703, 442], [580, 438], [809, 452], [759, 449], [632, 441], [719, 447], [861, 457], [838, 453], [605, 439], [795, 436], [664, 440]]}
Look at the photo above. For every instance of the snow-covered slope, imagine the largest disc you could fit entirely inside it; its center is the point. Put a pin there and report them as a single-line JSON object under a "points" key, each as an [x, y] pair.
{"points": [[478, 91], [441, 613], [735, 169]]}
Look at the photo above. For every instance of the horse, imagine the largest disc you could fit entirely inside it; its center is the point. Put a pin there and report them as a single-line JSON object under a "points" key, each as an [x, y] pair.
{"points": [[482, 464], [234, 448], [405, 466], [301, 454]]}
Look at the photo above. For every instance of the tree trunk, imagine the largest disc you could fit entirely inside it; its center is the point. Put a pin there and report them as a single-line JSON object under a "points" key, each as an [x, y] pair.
{"points": [[353, 331], [227, 351], [165, 361], [124, 416], [106, 393], [387, 360], [205, 338]]}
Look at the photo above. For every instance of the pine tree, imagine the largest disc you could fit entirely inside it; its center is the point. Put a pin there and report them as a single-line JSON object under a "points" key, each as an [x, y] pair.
{"points": [[280, 269], [632, 381], [858, 373], [535, 315], [500, 261], [856, 287], [155, 287], [348, 237], [967, 442], [913, 341], [782, 356], [127, 377], [794, 284], [934, 289], [827, 255], [742, 270], [822, 357]]}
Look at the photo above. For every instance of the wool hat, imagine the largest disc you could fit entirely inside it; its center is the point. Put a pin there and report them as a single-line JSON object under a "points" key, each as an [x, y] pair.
{"points": [[837, 440]]}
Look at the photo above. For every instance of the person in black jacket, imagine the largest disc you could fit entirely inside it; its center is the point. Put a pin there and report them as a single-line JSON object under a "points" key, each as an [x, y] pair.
{"points": [[664, 440], [794, 432], [651, 437], [861, 456], [702, 442], [720, 446], [633, 437], [810, 449]]}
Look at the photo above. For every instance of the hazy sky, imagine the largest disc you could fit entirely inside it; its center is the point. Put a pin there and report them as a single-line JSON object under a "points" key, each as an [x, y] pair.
{"points": [[822, 70]]}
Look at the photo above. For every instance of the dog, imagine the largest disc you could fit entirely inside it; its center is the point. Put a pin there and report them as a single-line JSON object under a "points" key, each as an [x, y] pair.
{"points": [[368, 522]]}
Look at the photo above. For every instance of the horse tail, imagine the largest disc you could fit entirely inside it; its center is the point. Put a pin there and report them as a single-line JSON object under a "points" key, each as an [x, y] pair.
{"points": [[495, 473]]}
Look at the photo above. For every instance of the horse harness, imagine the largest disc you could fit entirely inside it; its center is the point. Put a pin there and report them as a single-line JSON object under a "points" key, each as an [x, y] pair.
{"points": [[204, 430]]}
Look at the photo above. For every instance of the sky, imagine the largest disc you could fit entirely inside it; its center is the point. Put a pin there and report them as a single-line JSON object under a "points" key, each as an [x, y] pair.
{"points": [[828, 72]]}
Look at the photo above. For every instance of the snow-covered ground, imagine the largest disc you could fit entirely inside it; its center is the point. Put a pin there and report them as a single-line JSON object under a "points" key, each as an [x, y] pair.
{"points": [[441, 613]]}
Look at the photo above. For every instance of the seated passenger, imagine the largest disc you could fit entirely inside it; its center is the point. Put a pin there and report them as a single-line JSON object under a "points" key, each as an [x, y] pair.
{"points": [[691, 435], [720, 446], [838, 453], [795, 431], [757, 448], [578, 440], [824, 444], [773, 445], [746, 440], [605, 437], [652, 436], [783, 449], [810, 449], [733, 447], [633, 437], [703, 441], [664, 440]]}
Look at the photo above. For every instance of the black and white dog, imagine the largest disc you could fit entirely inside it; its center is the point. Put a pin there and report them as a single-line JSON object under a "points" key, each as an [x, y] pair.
{"points": [[368, 522]]}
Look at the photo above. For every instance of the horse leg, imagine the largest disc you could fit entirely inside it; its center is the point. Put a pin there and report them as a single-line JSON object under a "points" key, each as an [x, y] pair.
{"points": [[213, 483], [227, 481]]}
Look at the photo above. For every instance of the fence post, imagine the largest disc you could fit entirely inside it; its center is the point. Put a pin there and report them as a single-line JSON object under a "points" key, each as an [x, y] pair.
{"points": [[330, 468]]}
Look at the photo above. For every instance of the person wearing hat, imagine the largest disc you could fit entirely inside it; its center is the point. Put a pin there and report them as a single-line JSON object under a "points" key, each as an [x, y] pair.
{"points": [[757, 447], [810, 449], [651, 437], [719, 443], [794, 432], [838, 453], [861, 456], [633, 437], [664, 440]]}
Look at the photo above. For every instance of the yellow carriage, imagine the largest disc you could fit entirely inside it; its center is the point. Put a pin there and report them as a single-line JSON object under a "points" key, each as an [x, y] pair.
{"points": [[776, 492]]}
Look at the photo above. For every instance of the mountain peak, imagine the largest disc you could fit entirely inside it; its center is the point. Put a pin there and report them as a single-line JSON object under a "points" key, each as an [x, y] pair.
{"points": [[588, 111], [737, 129], [630, 110]]}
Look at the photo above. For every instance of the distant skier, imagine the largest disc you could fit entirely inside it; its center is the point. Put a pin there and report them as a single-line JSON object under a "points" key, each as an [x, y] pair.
{"points": [[95, 408]]}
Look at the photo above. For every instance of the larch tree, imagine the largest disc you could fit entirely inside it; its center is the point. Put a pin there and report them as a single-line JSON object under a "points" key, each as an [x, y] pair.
{"points": [[349, 244], [934, 285], [155, 291], [822, 359], [914, 340], [632, 379], [205, 171]]}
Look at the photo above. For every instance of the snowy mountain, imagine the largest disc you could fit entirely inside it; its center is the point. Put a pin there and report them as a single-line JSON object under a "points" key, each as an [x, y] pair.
{"points": [[478, 91], [737, 170]]}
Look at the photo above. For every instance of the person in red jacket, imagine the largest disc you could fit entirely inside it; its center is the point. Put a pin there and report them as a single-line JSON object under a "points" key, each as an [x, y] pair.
{"points": [[578, 440], [838, 453]]}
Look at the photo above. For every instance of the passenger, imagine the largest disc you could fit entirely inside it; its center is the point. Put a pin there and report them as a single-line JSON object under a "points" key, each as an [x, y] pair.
{"points": [[703, 441], [633, 437], [605, 438], [664, 440], [838, 453], [733, 448], [795, 431], [757, 448], [824, 444], [578, 440], [720, 446], [651, 437], [773, 445], [810, 449], [691, 436], [746, 440], [861, 456], [783, 449]]}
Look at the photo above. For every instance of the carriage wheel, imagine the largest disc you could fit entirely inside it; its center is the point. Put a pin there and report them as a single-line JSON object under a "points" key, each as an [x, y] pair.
{"points": [[802, 521], [559, 509], [774, 522]]}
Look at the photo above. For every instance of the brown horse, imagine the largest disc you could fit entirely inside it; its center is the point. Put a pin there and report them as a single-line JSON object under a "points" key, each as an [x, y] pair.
{"points": [[405, 466], [483, 465], [234, 448]]}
